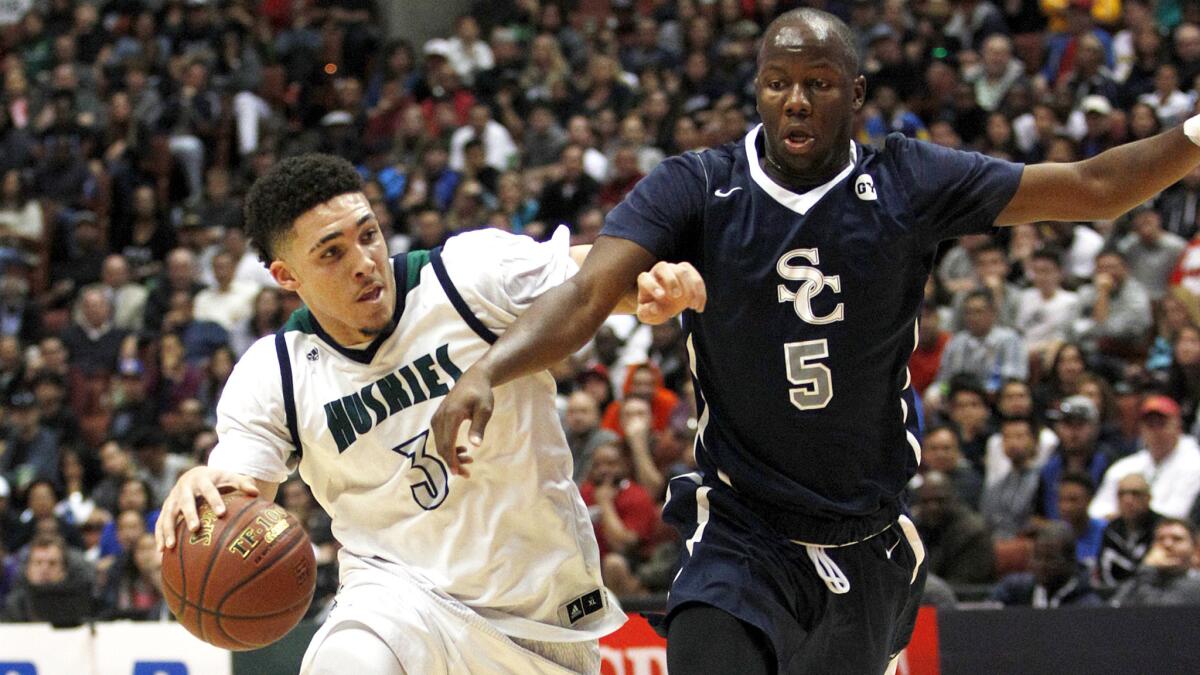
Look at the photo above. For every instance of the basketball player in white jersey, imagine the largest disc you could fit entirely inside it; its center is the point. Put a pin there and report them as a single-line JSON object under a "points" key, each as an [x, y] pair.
{"points": [[439, 574]]}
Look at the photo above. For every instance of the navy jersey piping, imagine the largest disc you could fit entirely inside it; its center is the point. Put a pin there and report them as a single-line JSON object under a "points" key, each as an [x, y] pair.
{"points": [[289, 393], [456, 298]]}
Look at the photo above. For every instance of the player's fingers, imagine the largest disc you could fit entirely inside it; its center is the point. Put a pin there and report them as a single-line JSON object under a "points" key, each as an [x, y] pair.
{"points": [[479, 422], [163, 534], [445, 424], [212, 495], [187, 505], [668, 279], [649, 287]]}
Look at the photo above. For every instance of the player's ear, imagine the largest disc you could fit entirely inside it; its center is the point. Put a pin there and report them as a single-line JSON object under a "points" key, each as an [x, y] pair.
{"points": [[860, 92], [283, 275]]}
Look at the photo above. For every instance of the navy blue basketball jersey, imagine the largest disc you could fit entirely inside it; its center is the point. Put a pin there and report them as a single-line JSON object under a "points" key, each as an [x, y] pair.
{"points": [[800, 358]]}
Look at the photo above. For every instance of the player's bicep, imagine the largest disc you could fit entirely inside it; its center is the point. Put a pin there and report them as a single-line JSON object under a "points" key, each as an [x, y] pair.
{"points": [[1052, 191], [252, 432]]}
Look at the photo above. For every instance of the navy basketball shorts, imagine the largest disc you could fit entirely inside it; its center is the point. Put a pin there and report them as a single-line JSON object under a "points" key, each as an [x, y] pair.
{"points": [[845, 609]]}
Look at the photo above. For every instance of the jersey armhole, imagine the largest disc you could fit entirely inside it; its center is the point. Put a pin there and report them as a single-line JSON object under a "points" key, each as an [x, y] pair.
{"points": [[289, 394], [456, 298]]}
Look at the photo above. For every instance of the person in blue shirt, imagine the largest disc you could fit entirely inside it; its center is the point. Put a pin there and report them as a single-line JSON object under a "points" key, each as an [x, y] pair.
{"points": [[813, 251]]}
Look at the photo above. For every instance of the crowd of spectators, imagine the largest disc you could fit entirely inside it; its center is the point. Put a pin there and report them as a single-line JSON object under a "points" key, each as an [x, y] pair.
{"points": [[1059, 362]]}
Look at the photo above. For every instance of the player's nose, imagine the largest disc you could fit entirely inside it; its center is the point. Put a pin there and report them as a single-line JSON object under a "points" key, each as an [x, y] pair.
{"points": [[796, 102]]}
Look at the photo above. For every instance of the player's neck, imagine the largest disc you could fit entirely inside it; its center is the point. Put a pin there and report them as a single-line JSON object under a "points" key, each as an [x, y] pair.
{"points": [[801, 183]]}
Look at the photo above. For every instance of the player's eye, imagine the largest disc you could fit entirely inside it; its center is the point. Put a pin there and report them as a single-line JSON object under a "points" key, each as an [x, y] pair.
{"points": [[368, 236], [819, 84], [331, 252], [775, 85]]}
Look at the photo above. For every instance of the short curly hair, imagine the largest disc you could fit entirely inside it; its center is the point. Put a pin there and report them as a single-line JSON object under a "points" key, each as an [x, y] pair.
{"points": [[290, 188]]}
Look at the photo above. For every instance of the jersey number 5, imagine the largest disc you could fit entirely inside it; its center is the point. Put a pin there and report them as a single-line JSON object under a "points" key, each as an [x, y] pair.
{"points": [[815, 383], [431, 490]]}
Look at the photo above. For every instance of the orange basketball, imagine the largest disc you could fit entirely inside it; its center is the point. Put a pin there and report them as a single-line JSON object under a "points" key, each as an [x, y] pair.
{"points": [[241, 581]]}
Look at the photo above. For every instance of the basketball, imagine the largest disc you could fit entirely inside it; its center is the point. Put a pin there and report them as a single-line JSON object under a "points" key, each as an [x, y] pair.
{"points": [[241, 581]]}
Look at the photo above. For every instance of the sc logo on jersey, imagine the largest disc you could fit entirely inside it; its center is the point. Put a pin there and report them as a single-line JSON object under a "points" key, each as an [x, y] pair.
{"points": [[864, 188], [812, 282]]}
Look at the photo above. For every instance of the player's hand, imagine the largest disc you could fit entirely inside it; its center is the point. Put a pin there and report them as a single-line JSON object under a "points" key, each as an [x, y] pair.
{"points": [[668, 289], [469, 400], [200, 482]]}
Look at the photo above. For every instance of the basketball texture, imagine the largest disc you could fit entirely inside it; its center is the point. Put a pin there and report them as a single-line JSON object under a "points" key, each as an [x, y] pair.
{"points": [[241, 581]]}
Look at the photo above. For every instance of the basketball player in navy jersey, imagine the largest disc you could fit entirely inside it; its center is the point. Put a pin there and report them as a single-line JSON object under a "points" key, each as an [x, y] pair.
{"points": [[814, 251]]}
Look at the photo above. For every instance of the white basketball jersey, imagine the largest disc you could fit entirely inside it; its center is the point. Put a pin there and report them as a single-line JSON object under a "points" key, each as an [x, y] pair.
{"points": [[514, 541]]}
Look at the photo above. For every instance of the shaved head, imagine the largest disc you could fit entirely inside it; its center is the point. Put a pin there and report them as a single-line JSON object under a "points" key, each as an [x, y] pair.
{"points": [[791, 30]]}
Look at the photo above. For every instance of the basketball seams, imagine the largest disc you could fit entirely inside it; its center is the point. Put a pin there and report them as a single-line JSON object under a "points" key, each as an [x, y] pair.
{"points": [[290, 545], [226, 533], [283, 553]]}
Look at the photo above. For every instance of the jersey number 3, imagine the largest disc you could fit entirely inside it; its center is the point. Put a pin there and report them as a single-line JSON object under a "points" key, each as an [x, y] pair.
{"points": [[433, 486], [814, 382]]}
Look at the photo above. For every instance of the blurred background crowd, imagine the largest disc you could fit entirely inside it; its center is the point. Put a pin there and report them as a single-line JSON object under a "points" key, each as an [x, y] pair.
{"points": [[1059, 362]]}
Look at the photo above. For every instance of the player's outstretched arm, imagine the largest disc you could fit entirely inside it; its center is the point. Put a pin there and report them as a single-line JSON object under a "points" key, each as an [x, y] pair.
{"points": [[1107, 185], [662, 293], [203, 482], [556, 325]]}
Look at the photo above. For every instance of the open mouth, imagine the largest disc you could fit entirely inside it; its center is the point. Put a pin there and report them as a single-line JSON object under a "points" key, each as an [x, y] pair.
{"points": [[372, 294], [797, 141]]}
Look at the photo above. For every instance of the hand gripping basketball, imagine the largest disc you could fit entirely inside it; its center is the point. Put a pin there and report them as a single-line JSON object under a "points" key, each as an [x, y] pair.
{"points": [[200, 482]]}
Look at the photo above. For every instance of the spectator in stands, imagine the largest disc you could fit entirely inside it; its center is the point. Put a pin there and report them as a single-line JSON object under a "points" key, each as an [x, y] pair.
{"points": [[230, 301], [1128, 537], [1015, 399], [582, 426], [644, 381], [1183, 372], [128, 299], [1169, 459], [181, 275], [983, 349], [1168, 574], [1075, 490], [958, 546], [931, 342], [1056, 579], [997, 72], [569, 192], [41, 499], [199, 337], [1077, 425], [990, 266], [940, 452], [267, 317], [1151, 251], [1064, 377], [498, 146], [116, 465], [94, 342], [1179, 208], [50, 588], [1008, 504], [623, 513], [157, 467], [1046, 311], [971, 418], [1115, 308], [133, 588], [31, 450]]}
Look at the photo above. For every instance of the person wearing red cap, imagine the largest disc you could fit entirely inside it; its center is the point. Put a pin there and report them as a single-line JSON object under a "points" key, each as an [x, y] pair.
{"points": [[1168, 458]]}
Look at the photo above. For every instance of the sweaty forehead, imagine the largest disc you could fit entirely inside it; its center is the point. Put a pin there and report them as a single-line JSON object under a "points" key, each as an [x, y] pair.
{"points": [[339, 205], [814, 40]]}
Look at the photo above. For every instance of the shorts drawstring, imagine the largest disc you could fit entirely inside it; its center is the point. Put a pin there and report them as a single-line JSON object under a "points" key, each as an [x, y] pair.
{"points": [[835, 580]]}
